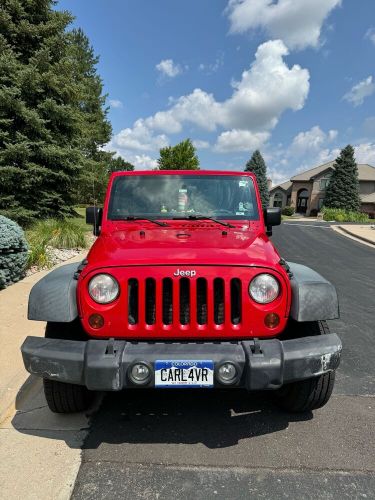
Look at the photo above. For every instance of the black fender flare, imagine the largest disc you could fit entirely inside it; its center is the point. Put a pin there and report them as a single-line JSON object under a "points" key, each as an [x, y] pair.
{"points": [[54, 297], [313, 297]]}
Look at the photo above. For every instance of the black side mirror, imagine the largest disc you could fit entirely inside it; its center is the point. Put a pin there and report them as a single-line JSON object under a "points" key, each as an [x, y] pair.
{"points": [[272, 217], [94, 216]]}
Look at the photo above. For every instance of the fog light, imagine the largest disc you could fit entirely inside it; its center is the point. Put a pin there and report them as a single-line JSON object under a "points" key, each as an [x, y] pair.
{"points": [[96, 321], [227, 373], [140, 373], [272, 320]]}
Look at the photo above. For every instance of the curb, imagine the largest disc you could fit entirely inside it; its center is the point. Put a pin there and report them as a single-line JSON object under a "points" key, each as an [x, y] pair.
{"points": [[363, 238]]}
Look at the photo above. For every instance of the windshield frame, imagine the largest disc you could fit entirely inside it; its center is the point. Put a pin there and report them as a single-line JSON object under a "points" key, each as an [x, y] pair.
{"points": [[256, 216]]}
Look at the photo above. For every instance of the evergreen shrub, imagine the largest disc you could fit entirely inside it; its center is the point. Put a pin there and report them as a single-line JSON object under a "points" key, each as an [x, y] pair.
{"points": [[288, 210], [13, 252]]}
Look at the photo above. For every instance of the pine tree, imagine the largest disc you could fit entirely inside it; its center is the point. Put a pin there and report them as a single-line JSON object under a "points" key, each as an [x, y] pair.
{"points": [[180, 157], [343, 188], [51, 118], [95, 128], [257, 165]]}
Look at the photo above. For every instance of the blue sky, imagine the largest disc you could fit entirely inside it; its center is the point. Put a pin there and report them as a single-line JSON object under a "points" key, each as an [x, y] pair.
{"points": [[293, 78]]}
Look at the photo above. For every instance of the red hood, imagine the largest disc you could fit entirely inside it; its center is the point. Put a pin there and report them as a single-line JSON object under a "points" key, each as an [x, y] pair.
{"points": [[183, 244]]}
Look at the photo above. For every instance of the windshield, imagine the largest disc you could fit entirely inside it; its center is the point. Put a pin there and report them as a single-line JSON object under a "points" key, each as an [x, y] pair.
{"points": [[176, 196]]}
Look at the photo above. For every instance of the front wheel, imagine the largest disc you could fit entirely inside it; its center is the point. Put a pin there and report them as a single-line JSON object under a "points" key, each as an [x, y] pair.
{"points": [[306, 395], [312, 393], [66, 398], [63, 397]]}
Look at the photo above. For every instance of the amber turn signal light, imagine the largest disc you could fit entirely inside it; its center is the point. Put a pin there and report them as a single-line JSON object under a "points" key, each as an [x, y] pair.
{"points": [[272, 320], [96, 321]]}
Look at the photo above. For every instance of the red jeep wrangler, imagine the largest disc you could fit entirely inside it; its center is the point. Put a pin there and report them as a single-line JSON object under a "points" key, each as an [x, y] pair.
{"points": [[183, 288]]}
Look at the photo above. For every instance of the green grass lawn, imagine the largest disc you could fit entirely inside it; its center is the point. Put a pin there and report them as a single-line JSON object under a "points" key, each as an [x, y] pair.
{"points": [[80, 220]]}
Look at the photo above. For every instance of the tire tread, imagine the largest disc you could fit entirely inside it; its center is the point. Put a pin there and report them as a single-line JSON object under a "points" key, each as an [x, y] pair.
{"points": [[63, 397], [312, 393]]}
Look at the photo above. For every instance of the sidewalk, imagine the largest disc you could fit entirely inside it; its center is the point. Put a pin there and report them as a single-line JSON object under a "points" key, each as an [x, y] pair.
{"points": [[364, 233], [31, 467]]}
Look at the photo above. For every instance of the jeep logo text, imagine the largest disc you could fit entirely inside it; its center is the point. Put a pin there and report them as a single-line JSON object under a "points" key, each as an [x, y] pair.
{"points": [[179, 272]]}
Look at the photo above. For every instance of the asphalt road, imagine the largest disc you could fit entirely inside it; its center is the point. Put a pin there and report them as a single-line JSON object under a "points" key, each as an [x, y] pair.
{"points": [[221, 445]]}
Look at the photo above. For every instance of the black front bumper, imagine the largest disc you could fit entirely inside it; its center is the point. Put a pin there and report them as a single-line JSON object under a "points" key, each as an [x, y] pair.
{"points": [[103, 365]]}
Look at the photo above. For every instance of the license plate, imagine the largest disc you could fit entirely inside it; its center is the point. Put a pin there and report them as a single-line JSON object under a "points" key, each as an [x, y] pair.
{"points": [[184, 373]]}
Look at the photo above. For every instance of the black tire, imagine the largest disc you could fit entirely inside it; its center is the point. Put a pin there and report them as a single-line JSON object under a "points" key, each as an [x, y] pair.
{"points": [[295, 330], [66, 398], [67, 331], [63, 397], [313, 393]]}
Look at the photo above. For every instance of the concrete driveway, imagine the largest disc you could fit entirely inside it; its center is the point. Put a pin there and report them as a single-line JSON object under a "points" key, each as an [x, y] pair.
{"points": [[35, 460]]}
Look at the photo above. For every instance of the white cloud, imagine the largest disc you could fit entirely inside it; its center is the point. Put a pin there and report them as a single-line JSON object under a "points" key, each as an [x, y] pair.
{"points": [[277, 177], [211, 68], [168, 68], [365, 153], [139, 138], [142, 162], [240, 140], [201, 144], [115, 103], [370, 34], [360, 91], [310, 141], [267, 89], [298, 23]]}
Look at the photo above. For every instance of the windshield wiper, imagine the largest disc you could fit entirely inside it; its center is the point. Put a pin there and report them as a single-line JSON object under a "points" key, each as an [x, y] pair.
{"points": [[132, 217], [204, 217]]}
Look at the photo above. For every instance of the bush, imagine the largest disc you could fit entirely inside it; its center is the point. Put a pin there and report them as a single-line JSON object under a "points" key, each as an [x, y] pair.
{"points": [[13, 252], [340, 215], [64, 233], [288, 210]]}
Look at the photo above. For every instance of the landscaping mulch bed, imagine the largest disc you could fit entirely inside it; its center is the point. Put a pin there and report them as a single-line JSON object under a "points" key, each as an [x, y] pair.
{"points": [[59, 255]]}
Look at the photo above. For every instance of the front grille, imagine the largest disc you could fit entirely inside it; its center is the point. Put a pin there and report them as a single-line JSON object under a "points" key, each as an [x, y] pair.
{"points": [[183, 301]]}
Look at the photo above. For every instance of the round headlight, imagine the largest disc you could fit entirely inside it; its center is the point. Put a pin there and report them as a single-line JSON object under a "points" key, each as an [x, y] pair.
{"points": [[103, 288], [264, 288]]}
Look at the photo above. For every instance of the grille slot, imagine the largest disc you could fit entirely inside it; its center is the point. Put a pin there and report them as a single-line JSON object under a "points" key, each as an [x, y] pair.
{"points": [[184, 301], [133, 301], [219, 301], [150, 301], [201, 301], [235, 301], [167, 301]]}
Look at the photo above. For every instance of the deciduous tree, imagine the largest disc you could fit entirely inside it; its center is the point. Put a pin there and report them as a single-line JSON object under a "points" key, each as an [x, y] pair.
{"points": [[182, 156], [120, 165]]}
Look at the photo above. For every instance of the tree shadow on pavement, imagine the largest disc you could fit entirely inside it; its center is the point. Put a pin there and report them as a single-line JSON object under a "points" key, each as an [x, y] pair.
{"points": [[215, 418]]}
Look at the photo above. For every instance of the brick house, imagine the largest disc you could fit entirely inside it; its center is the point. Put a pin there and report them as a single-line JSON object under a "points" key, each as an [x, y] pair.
{"points": [[306, 191]]}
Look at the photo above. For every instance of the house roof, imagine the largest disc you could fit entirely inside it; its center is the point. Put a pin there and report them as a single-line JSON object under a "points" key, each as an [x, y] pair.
{"points": [[368, 198], [284, 186], [365, 172]]}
